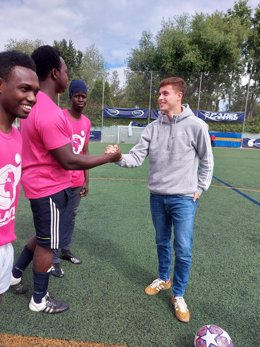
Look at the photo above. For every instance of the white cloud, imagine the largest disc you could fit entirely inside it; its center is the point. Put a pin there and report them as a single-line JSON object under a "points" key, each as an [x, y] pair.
{"points": [[121, 74], [114, 26]]}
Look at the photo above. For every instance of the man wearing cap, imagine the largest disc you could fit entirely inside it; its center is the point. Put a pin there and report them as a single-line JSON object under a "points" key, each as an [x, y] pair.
{"points": [[79, 179]]}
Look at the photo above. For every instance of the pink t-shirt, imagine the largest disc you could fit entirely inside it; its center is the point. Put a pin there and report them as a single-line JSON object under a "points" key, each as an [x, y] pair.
{"points": [[10, 174], [45, 129], [81, 132]]}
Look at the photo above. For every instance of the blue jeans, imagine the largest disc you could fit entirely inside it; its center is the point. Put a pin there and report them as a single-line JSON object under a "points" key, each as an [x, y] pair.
{"points": [[175, 212]]}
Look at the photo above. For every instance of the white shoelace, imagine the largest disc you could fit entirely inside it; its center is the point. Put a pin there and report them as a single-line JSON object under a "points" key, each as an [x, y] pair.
{"points": [[157, 283], [180, 304]]}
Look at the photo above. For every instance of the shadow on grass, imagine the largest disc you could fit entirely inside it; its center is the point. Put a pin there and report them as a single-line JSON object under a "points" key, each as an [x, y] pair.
{"points": [[111, 252]]}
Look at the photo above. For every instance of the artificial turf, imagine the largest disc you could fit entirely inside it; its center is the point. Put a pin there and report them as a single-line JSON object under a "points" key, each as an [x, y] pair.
{"points": [[114, 237]]}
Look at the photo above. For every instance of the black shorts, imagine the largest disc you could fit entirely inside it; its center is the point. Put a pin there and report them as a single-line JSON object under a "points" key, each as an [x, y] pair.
{"points": [[52, 215]]}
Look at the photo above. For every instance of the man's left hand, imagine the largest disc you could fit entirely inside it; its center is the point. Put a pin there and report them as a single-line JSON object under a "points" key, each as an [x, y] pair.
{"points": [[196, 196]]}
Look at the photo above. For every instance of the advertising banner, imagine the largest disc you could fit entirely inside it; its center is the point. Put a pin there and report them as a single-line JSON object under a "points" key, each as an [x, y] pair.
{"points": [[234, 117], [126, 112]]}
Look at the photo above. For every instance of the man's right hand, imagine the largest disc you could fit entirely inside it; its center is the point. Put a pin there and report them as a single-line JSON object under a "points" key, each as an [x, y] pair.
{"points": [[114, 153]]}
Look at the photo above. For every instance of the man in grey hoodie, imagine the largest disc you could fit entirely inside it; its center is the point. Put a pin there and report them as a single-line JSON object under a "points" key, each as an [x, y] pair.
{"points": [[180, 169]]}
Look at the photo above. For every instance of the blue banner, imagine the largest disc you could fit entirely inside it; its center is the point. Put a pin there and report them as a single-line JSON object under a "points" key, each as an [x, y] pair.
{"points": [[135, 124], [207, 116], [126, 112], [154, 113], [228, 139], [250, 143], [95, 135], [234, 117]]}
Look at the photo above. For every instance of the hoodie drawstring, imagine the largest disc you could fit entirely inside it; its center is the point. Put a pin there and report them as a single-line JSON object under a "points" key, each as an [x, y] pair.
{"points": [[159, 128], [172, 130]]}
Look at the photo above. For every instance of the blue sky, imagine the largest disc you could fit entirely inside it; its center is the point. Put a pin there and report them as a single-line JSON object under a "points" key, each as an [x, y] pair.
{"points": [[113, 26]]}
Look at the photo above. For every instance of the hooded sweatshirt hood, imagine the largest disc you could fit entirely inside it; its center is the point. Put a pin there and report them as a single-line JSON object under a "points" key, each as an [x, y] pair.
{"points": [[163, 118]]}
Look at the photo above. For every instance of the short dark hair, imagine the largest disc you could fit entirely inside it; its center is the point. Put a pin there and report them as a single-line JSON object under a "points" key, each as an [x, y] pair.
{"points": [[46, 58], [10, 59], [176, 82]]}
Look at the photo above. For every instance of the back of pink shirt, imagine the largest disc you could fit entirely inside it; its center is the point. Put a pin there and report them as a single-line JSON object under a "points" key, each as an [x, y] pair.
{"points": [[81, 133], [45, 129], [10, 174]]}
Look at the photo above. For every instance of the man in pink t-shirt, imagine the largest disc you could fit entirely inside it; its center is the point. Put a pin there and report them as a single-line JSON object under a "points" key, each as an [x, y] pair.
{"points": [[18, 87], [48, 157], [79, 179]]}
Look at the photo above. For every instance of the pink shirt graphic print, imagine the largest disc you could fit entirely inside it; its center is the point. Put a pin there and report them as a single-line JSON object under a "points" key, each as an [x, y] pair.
{"points": [[10, 175], [80, 136]]}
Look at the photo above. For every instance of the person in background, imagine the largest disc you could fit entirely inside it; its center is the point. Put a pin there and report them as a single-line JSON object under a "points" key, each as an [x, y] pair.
{"points": [[81, 126], [19, 85], [180, 169], [48, 158], [212, 139]]}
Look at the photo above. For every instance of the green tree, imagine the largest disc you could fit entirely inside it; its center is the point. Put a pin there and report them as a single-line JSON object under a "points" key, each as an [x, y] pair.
{"points": [[26, 46], [115, 90], [92, 66], [212, 49], [71, 56], [250, 57], [100, 90], [143, 58]]}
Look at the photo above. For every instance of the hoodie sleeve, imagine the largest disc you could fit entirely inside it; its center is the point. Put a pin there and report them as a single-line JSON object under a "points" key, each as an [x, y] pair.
{"points": [[139, 152], [206, 161]]}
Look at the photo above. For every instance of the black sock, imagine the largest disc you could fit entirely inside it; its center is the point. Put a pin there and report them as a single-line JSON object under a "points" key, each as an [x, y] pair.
{"points": [[41, 281], [22, 262]]}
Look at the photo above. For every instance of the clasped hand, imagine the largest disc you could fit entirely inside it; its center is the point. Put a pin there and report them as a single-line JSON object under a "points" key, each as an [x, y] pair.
{"points": [[114, 152]]}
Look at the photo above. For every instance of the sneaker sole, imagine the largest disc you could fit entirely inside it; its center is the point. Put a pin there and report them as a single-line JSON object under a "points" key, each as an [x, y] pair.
{"points": [[17, 291], [56, 275], [182, 320], [48, 310]]}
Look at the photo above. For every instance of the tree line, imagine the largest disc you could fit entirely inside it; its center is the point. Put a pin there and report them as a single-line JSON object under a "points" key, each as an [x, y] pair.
{"points": [[217, 54]]}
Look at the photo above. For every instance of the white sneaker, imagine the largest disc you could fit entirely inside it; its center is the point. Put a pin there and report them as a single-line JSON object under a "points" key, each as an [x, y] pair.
{"points": [[17, 286], [48, 305]]}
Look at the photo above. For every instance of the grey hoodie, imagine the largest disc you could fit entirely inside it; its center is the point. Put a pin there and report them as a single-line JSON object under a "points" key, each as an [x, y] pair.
{"points": [[180, 154]]}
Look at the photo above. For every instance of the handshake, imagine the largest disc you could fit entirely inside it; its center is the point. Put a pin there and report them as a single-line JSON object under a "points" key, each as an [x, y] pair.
{"points": [[114, 152]]}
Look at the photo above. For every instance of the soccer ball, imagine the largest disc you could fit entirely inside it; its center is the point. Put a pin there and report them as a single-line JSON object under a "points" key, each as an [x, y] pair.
{"points": [[212, 336]]}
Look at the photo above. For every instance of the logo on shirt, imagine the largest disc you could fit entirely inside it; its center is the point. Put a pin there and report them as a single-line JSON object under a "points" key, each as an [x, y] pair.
{"points": [[9, 178], [78, 142]]}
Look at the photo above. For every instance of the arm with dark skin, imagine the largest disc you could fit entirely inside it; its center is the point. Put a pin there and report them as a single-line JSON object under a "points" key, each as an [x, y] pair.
{"points": [[70, 161], [85, 188]]}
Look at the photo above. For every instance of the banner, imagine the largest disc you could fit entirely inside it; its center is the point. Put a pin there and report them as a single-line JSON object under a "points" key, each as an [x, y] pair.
{"points": [[234, 117], [250, 143], [226, 139], [154, 113], [95, 135], [126, 112], [135, 124], [207, 116]]}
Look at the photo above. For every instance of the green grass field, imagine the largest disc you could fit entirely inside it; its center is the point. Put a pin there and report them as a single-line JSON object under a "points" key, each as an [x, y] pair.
{"points": [[114, 237]]}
